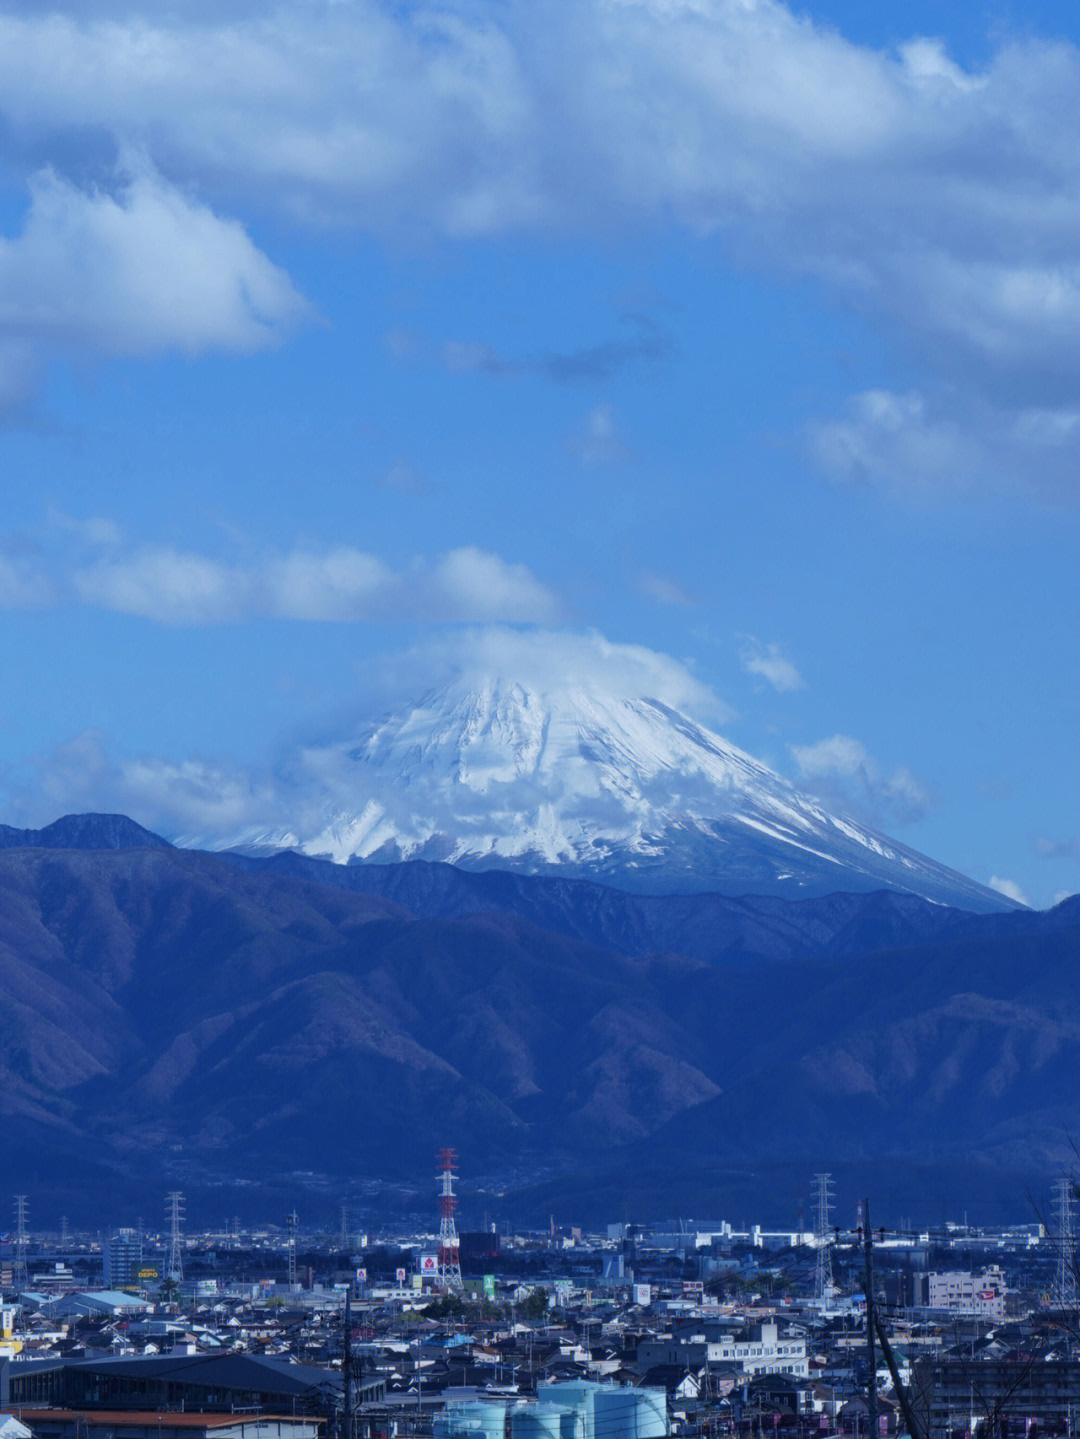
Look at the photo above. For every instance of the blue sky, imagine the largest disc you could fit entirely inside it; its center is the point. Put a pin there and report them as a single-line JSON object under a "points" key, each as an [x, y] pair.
{"points": [[342, 331]]}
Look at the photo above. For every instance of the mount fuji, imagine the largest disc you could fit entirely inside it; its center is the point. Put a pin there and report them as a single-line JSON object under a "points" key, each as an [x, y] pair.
{"points": [[582, 783]]}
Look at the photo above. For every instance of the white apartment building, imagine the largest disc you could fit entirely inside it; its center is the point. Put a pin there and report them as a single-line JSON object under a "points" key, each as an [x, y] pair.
{"points": [[961, 1292], [762, 1351]]}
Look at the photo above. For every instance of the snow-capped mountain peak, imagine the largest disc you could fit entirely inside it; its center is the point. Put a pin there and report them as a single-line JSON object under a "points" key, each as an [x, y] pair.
{"points": [[583, 781]]}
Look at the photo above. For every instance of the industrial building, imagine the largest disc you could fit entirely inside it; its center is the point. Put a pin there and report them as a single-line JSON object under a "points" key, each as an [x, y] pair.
{"points": [[206, 1382]]}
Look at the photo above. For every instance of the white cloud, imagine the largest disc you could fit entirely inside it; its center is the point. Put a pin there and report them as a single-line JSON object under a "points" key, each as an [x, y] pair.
{"points": [[96, 531], [465, 585], [1010, 889], [167, 797], [561, 659], [138, 271], [861, 165], [957, 442], [470, 584], [770, 662], [844, 771], [942, 198], [211, 800]]}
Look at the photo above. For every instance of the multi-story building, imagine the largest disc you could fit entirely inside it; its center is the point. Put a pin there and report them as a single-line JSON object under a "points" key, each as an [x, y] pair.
{"points": [[960, 1292], [988, 1395], [122, 1258], [761, 1350]]}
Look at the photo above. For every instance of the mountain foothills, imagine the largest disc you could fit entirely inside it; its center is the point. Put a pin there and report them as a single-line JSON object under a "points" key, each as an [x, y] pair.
{"points": [[580, 782], [216, 1018]]}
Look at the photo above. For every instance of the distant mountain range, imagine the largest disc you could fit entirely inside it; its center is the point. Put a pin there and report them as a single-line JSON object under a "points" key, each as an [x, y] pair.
{"points": [[580, 783], [214, 1019]]}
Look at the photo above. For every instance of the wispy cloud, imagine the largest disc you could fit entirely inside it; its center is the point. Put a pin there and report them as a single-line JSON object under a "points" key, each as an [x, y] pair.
{"points": [[770, 663], [952, 441], [24, 582], [599, 439], [1010, 889], [664, 590], [843, 770], [589, 364], [466, 585]]}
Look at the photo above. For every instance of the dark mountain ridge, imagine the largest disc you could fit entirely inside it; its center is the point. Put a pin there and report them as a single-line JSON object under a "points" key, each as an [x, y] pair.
{"points": [[203, 1017]]}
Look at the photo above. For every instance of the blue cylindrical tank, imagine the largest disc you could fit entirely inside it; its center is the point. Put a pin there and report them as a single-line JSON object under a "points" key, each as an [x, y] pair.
{"points": [[471, 1419], [537, 1421], [627, 1413], [578, 1395]]}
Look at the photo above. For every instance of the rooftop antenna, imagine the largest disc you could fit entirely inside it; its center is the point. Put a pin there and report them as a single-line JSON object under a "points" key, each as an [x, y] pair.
{"points": [[174, 1213], [449, 1255], [1066, 1276], [823, 1203], [20, 1278]]}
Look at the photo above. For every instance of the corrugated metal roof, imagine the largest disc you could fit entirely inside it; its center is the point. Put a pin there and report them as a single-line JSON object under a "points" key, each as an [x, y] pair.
{"points": [[229, 1371]]}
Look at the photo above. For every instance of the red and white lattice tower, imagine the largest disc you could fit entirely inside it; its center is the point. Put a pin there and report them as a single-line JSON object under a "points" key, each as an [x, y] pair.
{"points": [[449, 1258]]}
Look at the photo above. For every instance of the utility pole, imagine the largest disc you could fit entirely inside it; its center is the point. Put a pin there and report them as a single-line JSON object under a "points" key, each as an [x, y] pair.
{"points": [[346, 1371], [871, 1357]]}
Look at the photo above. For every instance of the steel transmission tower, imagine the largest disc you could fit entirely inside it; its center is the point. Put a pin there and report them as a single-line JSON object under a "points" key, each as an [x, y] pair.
{"points": [[294, 1220], [174, 1213], [823, 1203], [20, 1277], [449, 1256], [1066, 1278]]}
